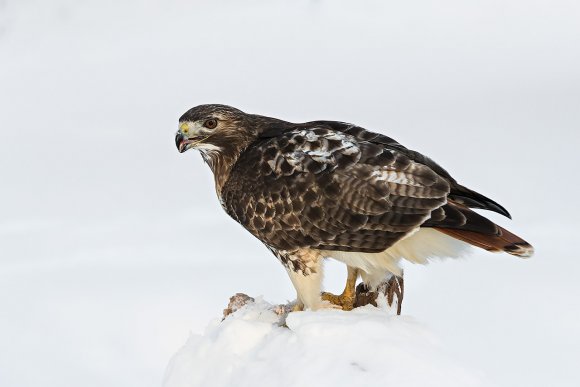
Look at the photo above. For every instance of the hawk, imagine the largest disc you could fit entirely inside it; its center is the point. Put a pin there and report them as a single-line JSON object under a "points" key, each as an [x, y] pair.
{"points": [[328, 189]]}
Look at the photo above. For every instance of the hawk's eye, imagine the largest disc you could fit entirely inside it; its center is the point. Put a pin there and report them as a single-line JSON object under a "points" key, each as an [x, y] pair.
{"points": [[211, 123]]}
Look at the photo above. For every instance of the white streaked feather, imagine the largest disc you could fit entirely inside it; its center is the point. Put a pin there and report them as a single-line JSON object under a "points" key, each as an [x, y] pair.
{"points": [[397, 177], [207, 147]]}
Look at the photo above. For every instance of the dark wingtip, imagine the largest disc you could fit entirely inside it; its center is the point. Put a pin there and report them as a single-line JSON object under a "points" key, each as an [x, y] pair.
{"points": [[474, 199], [495, 207]]}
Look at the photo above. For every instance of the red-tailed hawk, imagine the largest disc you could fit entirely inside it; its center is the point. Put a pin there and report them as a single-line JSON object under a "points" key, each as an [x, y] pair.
{"points": [[331, 189]]}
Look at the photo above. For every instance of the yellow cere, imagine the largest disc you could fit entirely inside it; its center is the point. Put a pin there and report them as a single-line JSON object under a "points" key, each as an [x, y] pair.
{"points": [[184, 127]]}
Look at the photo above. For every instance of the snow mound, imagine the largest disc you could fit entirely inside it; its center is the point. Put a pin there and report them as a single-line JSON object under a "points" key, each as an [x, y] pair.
{"points": [[366, 346]]}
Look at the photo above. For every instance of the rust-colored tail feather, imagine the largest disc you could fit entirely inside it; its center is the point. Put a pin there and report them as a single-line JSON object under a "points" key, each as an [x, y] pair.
{"points": [[502, 241]]}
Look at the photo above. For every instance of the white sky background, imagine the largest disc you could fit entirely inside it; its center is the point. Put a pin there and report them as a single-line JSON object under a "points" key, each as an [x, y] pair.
{"points": [[113, 246]]}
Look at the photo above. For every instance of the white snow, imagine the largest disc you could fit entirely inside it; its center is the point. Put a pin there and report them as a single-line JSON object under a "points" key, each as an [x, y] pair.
{"points": [[368, 346]]}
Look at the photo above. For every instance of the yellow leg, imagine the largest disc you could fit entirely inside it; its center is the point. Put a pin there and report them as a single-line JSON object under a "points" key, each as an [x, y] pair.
{"points": [[347, 298], [298, 306]]}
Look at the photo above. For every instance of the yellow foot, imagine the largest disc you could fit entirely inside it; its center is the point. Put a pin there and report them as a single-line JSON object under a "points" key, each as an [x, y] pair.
{"points": [[298, 307], [343, 300]]}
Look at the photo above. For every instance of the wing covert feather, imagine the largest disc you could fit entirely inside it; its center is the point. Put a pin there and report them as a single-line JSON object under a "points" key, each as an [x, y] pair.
{"points": [[320, 188]]}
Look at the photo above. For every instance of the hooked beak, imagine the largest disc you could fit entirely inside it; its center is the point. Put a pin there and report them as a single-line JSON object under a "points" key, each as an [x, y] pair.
{"points": [[181, 142], [184, 143], [187, 138]]}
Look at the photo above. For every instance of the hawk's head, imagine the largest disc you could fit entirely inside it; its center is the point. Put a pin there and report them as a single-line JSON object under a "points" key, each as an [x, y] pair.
{"points": [[212, 129]]}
